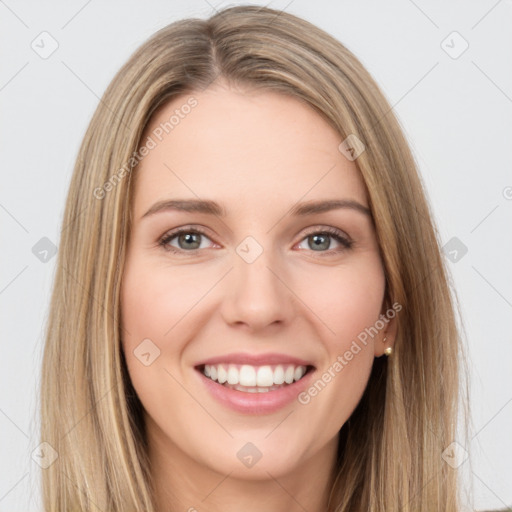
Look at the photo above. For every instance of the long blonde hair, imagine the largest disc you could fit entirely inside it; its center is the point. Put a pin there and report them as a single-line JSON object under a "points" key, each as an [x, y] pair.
{"points": [[390, 450]]}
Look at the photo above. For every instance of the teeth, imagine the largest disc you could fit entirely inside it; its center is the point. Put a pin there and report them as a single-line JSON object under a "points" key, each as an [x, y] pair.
{"points": [[232, 375], [247, 376], [238, 387], [297, 375], [254, 377], [279, 375], [288, 374], [222, 375], [265, 376]]}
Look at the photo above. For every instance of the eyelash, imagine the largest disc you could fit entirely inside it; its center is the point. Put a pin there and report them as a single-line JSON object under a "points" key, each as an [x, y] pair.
{"points": [[332, 232]]}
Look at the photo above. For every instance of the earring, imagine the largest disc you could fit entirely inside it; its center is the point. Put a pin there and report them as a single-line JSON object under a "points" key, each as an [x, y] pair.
{"points": [[389, 350]]}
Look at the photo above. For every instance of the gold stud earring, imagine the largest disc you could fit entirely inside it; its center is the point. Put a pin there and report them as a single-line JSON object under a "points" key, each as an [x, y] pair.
{"points": [[389, 350]]}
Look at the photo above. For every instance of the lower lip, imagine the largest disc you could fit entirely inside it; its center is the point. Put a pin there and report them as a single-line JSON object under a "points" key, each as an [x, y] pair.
{"points": [[256, 403]]}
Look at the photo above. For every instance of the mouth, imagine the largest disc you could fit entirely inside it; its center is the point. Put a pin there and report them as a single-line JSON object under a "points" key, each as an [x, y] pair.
{"points": [[254, 379]]}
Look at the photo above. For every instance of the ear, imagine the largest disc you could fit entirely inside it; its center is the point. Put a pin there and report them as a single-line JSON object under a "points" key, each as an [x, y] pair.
{"points": [[388, 316]]}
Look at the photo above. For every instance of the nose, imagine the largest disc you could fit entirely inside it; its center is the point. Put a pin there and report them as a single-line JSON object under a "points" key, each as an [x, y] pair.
{"points": [[257, 293]]}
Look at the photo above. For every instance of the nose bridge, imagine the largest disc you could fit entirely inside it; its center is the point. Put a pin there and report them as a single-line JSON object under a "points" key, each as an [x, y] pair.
{"points": [[256, 295]]}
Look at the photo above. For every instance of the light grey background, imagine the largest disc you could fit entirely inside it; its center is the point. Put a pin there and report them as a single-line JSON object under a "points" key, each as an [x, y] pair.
{"points": [[456, 112]]}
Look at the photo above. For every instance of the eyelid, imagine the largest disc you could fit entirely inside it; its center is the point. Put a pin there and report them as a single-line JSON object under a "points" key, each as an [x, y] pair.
{"points": [[327, 229]]}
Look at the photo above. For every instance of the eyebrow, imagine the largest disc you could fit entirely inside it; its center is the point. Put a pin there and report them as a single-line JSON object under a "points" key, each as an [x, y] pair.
{"points": [[213, 208]]}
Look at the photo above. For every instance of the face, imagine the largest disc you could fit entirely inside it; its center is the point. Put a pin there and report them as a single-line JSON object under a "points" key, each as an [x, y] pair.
{"points": [[249, 287]]}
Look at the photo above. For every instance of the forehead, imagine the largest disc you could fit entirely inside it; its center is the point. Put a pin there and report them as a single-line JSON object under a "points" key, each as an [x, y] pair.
{"points": [[238, 145]]}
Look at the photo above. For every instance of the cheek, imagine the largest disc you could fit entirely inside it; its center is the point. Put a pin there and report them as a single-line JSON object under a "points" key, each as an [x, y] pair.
{"points": [[152, 303], [355, 305], [154, 300], [349, 305], [346, 299]]}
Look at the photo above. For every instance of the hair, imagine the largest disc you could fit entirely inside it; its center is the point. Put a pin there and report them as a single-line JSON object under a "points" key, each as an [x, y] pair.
{"points": [[390, 450]]}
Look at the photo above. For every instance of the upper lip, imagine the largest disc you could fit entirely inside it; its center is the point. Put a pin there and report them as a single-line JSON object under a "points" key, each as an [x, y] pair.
{"points": [[255, 359]]}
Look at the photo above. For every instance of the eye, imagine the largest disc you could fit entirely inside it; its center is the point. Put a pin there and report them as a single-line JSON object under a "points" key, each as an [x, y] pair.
{"points": [[320, 241], [187, 239]]}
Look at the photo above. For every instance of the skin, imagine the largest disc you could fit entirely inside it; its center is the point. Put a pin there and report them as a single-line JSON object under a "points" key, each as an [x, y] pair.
{"points": [[258, 154]]}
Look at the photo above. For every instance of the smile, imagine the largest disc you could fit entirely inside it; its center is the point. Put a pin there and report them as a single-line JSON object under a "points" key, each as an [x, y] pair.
{"points": [[254, 379], [255, 389]]}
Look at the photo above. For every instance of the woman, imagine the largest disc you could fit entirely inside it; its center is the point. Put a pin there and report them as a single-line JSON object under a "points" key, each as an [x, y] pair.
{"points": [[251, 309]]}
